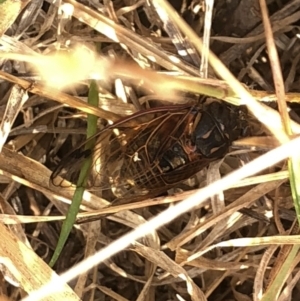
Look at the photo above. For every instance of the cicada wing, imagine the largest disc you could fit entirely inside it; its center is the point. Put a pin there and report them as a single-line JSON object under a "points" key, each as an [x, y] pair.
{"points": [[126, 157], [67, 172]]}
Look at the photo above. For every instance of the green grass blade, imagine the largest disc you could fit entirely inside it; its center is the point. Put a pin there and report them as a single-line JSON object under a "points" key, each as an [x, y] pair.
{"points": [[294, 167], [276, 286], [93, 99]]}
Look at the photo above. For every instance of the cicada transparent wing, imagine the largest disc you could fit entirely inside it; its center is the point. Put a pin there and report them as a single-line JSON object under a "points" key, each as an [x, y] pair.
{"points": [[126, 155]]}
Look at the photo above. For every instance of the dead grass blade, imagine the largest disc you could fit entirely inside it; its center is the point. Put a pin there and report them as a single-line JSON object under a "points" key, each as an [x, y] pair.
{"points": [[15, 103], [244, 201], [9, 11], [29, 270]]}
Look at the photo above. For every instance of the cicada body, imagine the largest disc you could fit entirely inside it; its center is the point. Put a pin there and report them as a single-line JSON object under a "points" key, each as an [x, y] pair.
{"points": [[151, 151]]}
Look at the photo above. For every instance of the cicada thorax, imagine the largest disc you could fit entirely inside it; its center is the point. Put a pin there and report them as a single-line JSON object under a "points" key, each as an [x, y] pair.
{"points": [[216, 130]]}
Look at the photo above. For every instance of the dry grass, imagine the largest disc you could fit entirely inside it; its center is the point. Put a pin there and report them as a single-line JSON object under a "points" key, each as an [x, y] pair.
{"points": [[230, 246]]}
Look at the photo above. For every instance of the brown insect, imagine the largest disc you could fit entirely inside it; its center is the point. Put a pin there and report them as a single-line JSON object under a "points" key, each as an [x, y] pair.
{"points": [[147, 153]]}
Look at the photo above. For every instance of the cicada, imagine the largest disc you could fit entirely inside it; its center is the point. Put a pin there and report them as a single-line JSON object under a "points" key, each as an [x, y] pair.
{"points": [[145, 154]]}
